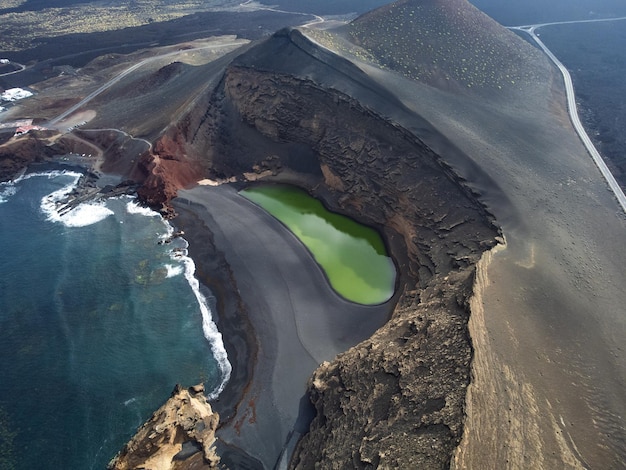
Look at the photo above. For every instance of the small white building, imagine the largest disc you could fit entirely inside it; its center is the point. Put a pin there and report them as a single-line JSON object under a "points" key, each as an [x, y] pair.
{"points": [[14, 94]]}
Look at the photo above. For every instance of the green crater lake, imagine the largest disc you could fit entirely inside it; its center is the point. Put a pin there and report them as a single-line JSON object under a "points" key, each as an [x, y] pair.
{"points": [[352, 255]]}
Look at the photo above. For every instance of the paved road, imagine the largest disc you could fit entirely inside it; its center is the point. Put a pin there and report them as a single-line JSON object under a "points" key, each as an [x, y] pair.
{"points": [[21, 68], [571, 103], [250, 5], [541, 25], [130, 70]]}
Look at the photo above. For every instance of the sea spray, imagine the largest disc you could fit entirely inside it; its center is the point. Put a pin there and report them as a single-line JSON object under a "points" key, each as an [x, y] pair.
{"points": [[81, 216], [89, 213], [133, 207], [173, 270], [99, 325], [7, 190], [209, 328]]}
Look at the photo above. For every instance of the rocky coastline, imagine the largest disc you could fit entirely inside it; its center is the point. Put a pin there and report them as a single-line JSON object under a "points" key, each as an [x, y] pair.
{"points": [[179, 435], [397, 399], [490, 354]]}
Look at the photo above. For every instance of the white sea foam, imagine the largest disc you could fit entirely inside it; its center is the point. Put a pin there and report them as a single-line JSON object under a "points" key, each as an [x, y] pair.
{"points": [[89, 213], [211, 333], [50, 175], [6, 191], [84, 214], [80, 216], [130, 401], [169, 231], [10, 188], [173, 270], [132, 207], [209, 328]]}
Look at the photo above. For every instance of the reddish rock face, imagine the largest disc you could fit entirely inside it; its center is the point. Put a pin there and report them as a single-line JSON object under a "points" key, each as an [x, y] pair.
{"points": [[167, 169], [18, 154]]}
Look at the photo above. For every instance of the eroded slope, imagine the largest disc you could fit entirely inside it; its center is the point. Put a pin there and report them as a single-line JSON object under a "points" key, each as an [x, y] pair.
{"points": [[297, 127]]}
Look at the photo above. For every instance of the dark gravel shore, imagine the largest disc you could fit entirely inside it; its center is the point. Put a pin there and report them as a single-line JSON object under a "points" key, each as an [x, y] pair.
{"points": [[285, 321]]}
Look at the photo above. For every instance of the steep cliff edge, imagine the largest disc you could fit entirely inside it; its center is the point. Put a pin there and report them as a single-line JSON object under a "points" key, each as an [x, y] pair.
{"points": [[179, 435], [398, 398]]}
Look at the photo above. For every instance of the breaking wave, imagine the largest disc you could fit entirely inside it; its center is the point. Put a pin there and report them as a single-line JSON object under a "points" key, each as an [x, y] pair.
{"points": [[186, 266], [173, 270], [83, 215], [209, 328], [89, 213], [6, 191], [80, 216], [133, 207]]}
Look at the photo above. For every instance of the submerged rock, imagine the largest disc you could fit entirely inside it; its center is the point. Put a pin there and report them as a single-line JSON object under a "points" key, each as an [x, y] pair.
{"points": [[179, 435]]}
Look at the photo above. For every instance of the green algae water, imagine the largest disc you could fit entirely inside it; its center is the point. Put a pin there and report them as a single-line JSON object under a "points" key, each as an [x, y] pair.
{"points": [[352, 255]]}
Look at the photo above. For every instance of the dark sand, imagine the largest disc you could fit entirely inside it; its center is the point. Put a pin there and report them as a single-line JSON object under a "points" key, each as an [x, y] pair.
{"points": [[297, 319], [549, 321]]}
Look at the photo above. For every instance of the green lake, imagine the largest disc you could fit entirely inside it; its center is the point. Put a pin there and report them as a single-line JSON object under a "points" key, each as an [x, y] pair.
{"points": [[352, 255]]}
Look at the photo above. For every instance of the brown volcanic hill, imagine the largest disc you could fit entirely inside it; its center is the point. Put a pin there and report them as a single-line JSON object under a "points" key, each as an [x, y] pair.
{"points": [[446, 43], [312, 118], [388, 151], [160, 78]]}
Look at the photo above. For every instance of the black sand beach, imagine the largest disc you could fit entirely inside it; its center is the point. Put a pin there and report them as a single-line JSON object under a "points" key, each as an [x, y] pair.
{"points": [[296, 320]]}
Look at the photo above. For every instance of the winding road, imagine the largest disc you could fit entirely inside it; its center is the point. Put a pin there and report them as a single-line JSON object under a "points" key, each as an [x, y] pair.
{"points": [[130, 70], [21, 69], [252, 5], [571, 102]]}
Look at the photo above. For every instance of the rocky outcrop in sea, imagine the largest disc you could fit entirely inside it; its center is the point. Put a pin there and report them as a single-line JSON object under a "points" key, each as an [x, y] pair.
{"points": [[179, 435]]}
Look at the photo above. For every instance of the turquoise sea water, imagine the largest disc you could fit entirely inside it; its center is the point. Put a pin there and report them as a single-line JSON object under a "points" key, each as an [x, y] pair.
{"points": [[98, 322]]}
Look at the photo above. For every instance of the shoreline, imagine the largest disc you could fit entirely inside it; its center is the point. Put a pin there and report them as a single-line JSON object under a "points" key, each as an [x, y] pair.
{"points": [[213, 273], [288, 330]]}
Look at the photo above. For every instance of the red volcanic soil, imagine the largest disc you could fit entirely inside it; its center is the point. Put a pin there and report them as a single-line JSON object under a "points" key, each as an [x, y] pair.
{"points": [[167, 170], [17, 155]]}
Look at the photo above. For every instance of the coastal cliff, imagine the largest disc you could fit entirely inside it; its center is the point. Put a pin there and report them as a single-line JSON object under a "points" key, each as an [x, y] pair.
{"points": [[433, 124], [17, 155], [288, 110], [179, 435], [396, 399]]}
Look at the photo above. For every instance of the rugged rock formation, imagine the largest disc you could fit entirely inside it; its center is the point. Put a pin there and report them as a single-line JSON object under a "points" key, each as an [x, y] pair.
{"points": [[164, 172], [179, 435], [287, 110], [18, 154], [397, 399], [370, 168], [115, 151]]}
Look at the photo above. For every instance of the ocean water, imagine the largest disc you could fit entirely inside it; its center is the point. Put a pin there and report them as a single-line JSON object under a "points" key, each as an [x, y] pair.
{"points": [[98, 322]]}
